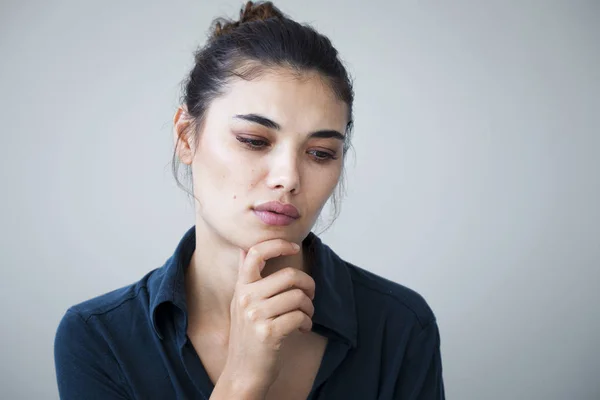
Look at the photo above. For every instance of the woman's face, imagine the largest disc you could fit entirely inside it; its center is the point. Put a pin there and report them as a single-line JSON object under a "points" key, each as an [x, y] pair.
{"points": [[276, 138]]}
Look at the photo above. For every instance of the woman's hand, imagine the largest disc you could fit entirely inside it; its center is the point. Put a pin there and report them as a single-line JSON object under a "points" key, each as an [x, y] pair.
{"points": [[264, 311]]}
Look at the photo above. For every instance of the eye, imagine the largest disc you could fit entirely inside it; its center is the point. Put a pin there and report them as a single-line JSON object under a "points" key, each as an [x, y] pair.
{"points": [[252, 143], [322, 156]]}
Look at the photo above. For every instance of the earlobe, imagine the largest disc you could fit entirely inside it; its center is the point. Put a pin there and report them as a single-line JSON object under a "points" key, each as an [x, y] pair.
{"points": [[182, 123]]}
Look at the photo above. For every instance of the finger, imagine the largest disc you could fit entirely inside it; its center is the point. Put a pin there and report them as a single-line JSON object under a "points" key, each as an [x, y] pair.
{"points": [[285, 302], [282, 280], [254, 261], [287, 323]]}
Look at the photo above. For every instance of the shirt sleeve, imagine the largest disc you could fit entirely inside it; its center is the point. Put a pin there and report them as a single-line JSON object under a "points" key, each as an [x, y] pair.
{"points": [[420, 376], [85, 366]]}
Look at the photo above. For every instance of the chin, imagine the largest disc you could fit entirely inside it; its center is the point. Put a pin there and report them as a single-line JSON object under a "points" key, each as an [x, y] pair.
{"points": [[261, 233], [269, 233]]}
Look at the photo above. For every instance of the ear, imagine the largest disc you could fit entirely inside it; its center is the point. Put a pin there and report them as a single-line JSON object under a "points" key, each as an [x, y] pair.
{"points": [[182, 123]]}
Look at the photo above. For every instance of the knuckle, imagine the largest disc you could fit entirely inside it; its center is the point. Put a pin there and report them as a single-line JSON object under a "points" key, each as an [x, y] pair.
{"points": [[253, 252], [299, 316], [290, 275], [264, 332], [308, 302], [309, 324], [307, 320], [244, 300], [299, 295], [252, 314]]}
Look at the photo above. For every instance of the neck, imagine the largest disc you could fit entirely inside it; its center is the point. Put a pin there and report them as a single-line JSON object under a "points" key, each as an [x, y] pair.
{"points": [[212, 275]]}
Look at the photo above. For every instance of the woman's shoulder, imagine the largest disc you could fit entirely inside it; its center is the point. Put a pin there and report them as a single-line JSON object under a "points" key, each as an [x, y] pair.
{"points": [[94, 337], [123, 301], [390, 297]]}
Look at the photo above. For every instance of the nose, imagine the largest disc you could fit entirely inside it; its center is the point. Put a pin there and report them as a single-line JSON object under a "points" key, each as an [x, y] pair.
{"points": [[284, 173]]}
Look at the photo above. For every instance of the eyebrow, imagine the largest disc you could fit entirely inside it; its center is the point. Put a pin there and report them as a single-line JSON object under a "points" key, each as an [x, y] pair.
{"points": [[268, 123]]}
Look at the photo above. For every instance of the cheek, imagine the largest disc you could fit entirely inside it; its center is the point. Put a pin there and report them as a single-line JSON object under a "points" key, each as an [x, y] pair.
{"points": [[321, 184], [222, 170]]}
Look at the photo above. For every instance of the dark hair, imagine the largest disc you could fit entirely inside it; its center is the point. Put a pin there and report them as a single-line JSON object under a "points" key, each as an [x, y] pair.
{"points": [[263, 38]]}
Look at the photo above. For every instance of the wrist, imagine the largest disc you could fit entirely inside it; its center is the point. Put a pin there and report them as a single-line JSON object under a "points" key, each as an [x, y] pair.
{"points": [[242, 386]]}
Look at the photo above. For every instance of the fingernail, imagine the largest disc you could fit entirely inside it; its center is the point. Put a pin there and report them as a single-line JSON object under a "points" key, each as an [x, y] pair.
{"points": [[295, 246]]}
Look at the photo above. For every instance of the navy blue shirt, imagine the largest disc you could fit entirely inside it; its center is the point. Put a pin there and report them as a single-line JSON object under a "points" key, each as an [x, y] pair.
{"points": [[131, 343]]}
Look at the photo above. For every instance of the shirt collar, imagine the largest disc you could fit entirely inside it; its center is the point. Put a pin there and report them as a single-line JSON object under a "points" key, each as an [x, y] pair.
{"points": [[167, 285], [334, 296], [334, 303]]}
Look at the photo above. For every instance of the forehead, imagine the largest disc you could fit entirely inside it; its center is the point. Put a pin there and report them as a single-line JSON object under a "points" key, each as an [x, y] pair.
{"points": [[296, 102]]}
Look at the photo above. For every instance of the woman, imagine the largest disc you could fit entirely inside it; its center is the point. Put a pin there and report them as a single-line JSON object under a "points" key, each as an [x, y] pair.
{"points": [[252, 305]]}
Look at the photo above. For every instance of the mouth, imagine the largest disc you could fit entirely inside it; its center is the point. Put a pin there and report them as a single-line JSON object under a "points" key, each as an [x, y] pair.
{"points": [[276, 213]]}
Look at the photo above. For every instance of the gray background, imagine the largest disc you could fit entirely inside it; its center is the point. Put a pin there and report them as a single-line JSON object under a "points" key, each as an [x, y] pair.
{"points": [[474, 181]]}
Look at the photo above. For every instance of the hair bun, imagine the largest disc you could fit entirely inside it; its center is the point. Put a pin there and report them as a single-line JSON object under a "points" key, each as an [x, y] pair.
{"points": [[252, 11]]}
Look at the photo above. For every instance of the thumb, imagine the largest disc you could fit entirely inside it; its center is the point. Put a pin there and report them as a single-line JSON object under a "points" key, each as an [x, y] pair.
{"points": [[248, 270]]}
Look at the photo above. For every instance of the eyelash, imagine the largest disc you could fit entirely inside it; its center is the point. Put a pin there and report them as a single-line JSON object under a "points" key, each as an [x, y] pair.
{"points": [[260, 144]]}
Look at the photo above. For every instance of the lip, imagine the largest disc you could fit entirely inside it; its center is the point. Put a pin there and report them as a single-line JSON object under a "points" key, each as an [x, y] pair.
{"points": [[276, 213]]}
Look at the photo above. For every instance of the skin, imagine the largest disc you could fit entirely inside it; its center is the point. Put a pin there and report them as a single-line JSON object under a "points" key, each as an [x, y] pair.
{"points": [[249, 284]]}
